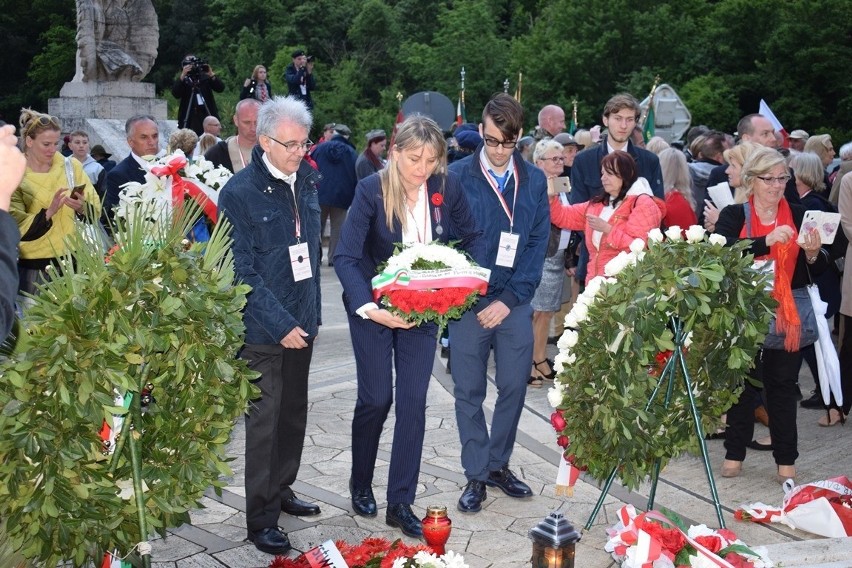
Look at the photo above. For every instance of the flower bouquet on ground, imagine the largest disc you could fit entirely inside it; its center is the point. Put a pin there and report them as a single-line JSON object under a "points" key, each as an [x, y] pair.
{"points": [[660, 539], [612, 408], [429, 283], [371, 553], [821, 507]]}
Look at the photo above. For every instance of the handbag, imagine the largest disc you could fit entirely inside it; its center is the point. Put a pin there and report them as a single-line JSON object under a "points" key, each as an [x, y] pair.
{"points": [[804, 306]]}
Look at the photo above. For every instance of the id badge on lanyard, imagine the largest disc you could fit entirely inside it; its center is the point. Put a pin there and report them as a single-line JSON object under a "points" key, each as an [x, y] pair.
{"points": [[300, 262], [508, 248]]}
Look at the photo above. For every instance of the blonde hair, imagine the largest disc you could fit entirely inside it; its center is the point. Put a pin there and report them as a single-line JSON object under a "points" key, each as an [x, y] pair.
{"points": [[256, 69], [33, 123], [417, 131], [544, 146], [808, 169], [657, 144], [739, 154], [818, 144], [760, 163], [205, 142], [676, 174], [183, 139]]}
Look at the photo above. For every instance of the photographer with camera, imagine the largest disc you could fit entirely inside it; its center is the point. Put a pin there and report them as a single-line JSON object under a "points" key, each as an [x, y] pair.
{"points": [[257, 86], [300, 77], [194, 88]]}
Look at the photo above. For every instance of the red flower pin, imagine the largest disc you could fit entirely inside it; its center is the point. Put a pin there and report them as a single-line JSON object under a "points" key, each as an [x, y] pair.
{"points": [[437, 199]]}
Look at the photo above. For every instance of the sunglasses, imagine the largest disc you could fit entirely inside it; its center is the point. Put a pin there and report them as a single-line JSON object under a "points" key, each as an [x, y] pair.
{"points": [[43, 120]]}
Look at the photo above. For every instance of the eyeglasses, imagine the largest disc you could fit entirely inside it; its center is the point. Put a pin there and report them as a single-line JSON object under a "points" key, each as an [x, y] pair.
{"points": [[781, 180], [493, 142], [555, 159], [293, 146]]}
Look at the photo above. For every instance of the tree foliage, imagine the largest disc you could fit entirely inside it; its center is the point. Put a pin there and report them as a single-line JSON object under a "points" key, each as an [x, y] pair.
{"points": [[722, 56]]}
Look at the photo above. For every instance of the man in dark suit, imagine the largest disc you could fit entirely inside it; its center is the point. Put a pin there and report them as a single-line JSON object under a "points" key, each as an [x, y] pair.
{"points": [[143, 137]]}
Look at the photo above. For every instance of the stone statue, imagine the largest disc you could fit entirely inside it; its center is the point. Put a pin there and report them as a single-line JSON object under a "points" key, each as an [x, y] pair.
{"points": [[116, 40]]}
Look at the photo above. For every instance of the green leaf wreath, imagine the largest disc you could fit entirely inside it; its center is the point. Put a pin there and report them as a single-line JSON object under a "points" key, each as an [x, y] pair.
{"points": [[161, 313], [610, 363]]}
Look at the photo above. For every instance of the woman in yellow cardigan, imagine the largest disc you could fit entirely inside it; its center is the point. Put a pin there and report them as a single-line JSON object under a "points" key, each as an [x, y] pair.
{"points": [[44, 205]]}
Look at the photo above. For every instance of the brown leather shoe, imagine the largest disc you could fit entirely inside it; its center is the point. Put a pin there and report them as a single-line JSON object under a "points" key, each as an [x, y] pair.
{"points": [[761, 416]]}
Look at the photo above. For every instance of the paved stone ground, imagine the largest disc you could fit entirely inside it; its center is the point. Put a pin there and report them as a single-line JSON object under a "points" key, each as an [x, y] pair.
{"points": [[497, 536]]}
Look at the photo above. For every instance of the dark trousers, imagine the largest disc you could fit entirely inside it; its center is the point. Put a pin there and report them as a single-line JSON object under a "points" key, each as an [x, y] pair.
{"points": [[378, 352], [275, 429], [845, 357], [337, 217], [483, 451], [779, 371]]}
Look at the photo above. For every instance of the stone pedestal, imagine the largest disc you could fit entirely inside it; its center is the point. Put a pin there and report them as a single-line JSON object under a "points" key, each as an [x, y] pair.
{"points": [[101, 109]]}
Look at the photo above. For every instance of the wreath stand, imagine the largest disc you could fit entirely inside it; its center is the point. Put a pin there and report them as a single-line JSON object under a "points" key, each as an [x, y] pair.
{"points": [[669, 376]]}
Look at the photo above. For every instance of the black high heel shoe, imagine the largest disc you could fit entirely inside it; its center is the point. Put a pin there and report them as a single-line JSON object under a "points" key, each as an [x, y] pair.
{"points": [[548, 376]]}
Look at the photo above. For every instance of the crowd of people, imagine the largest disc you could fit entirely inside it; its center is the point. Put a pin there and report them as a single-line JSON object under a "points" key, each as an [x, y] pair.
{"points": [[543, 212]]}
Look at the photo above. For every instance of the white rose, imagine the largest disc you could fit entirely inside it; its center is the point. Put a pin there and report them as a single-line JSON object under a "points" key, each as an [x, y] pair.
{"points": [[571, 319], [717, 239], [695, 234], [673, 233], [617, 264], [687, 341], [570, 338], [594, 286], [554, 395], [581, 311], [637, 246], [655, 235]]}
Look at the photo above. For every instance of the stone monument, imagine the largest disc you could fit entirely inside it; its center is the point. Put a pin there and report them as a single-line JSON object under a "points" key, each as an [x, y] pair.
{"points": [[117, 44]]}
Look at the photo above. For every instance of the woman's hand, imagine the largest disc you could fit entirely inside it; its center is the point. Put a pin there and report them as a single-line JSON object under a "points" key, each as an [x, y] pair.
{"points": [[812, 243], [77, 202], [247, 83], [57, 202], [387, 319], [598, 224], [781, 234], [711, 215]]}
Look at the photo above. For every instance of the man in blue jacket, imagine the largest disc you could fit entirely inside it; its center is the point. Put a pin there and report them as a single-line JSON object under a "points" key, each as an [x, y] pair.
{"points": [[508, 199], [273, 207], [335, 159]]}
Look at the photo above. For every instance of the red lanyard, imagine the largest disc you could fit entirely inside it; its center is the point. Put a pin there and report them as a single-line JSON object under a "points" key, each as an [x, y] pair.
{"points": [[493, 183]]}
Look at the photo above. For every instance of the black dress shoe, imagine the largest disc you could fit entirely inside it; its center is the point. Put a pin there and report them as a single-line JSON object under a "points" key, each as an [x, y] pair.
{"points": [[399, 515], [294, 506], [363, 502], [472, 497], [755, 445], [815, 401], [270, 540], [506, 480]]}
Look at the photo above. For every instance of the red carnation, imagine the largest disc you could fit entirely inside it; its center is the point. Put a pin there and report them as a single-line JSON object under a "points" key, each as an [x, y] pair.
{"points": [[557, 421], [437, 199]]}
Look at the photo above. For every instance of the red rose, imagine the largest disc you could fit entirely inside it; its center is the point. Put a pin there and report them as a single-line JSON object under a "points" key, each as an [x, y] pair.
{"points": [[563, 441], [711, 542], [557, 421], [437, 199], [738, 561]]}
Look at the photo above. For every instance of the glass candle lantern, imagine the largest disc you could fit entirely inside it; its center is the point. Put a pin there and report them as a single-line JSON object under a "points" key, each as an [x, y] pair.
{"points": [[554, 540]]}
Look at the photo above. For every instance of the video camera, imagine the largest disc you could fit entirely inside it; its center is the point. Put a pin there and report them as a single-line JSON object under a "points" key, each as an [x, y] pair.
{"points": [[199, 66]]}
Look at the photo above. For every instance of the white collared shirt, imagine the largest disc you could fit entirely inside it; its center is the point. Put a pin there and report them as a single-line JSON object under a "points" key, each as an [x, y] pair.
{"points": [[278, 174]]}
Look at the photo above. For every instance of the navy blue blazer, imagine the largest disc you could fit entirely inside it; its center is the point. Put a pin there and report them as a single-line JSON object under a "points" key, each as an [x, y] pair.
{"points": [[126, 170], [365, 241]]}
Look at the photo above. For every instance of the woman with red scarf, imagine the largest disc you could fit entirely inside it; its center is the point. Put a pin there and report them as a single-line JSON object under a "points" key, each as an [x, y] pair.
{"points": [[773, 224]]}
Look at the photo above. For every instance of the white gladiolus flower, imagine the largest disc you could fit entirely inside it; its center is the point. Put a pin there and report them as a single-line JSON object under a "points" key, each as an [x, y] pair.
{"points": [[637, 246], [655, 235], [695, 234], [717, 239], [673, 233]]}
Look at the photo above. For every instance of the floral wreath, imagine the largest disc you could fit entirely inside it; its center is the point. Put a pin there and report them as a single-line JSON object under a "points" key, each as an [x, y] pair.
{"points": [[620, 333], [429, 283]]}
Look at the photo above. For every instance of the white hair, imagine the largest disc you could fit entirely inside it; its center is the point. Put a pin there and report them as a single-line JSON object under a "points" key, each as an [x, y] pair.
{"points": [[282, 109]]}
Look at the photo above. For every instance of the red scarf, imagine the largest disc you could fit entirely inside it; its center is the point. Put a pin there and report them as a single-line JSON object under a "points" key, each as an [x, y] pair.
{"points": [[785, 257]]}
